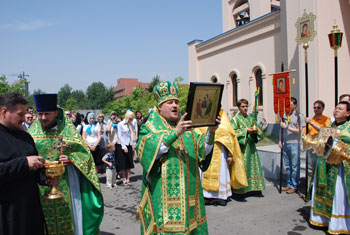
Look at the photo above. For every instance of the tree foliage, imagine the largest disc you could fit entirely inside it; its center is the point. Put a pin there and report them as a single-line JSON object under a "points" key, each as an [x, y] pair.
{"points": [[183, 93], [4, 86], [71, 104], [63, 95], [144, 100], [139, 100], [17, 86], [80, 97], [98, 95], [155, 80]]}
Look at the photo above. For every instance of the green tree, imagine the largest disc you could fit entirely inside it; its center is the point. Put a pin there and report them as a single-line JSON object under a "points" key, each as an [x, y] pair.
{"points": [[183, 93], [139, 100], [4, 86], [71, 104], [155, 80], [144, 100], [19, 87], [98, 95], [80, 97], [63, 95], [110, 93], [38, 92]]}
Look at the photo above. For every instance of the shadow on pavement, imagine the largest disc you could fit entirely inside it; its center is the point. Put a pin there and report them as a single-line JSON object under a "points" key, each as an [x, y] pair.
{"points": [[305, 213], [135, 178], [107, 233], [102, 179]]}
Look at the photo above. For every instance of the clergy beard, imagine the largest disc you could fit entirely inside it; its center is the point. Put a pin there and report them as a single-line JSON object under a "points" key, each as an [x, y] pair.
{"points": [[49, 126], [339, 123], [173, 124]]}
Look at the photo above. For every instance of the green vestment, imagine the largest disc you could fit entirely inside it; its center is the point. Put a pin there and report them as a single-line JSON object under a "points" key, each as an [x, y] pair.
{"points": [[58, 212], [172, 194], [326, 178], [250, 156]]}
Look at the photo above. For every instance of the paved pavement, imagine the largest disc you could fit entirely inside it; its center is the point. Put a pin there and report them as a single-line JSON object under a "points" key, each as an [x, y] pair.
{"points": [[273, 213]]}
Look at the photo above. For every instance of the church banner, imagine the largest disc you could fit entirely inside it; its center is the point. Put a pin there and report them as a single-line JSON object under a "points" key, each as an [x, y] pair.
{"points": [[281, 94]]}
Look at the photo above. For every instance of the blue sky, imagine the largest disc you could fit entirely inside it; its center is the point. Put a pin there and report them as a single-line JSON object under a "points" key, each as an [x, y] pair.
{"points": [[79, 42]]}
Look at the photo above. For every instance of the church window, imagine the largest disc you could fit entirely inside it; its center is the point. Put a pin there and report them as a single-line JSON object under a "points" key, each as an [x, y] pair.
{"points": [[259, 83], [234, 89], [214, 79]]}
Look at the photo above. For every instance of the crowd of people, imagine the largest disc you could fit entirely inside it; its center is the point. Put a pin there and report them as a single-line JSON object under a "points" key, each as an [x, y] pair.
{"points": [[112, 143], [183, 168]]}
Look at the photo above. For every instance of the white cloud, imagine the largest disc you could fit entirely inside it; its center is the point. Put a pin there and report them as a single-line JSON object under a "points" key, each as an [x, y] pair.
{"points": [[28, 25]]}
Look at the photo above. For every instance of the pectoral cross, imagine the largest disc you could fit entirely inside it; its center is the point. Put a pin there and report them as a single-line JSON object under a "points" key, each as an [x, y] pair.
{"points": [[61, 145]]}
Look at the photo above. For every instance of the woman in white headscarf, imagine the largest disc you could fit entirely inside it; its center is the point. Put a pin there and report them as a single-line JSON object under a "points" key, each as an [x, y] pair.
{"points": [[127, 145], [92, 137]]}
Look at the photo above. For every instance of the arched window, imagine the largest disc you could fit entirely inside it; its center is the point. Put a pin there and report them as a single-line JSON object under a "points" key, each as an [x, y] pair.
{"points": [[234, 89], [214, 79], [259, 83], [241, 12]]}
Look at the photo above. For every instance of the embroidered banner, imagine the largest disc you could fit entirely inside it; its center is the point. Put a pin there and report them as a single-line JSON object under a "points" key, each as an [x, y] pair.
{"points": [[281, 93]]}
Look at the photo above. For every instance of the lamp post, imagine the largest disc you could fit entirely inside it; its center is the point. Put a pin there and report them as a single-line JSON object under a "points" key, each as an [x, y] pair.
{"points": [[335, 39]]}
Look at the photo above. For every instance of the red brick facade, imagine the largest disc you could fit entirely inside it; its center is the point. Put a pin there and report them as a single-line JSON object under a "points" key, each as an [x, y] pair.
{"points": [[125, 86]]}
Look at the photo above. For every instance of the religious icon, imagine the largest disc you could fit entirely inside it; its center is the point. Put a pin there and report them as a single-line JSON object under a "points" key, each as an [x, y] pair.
{"points": [[305, 29], [203, 104], [281, 94], [281, 85]]}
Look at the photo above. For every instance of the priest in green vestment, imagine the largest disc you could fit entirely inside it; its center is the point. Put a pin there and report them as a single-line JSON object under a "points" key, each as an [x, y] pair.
{"points": [[330, 197], [170, 153], [80, 211], [247, 137]]}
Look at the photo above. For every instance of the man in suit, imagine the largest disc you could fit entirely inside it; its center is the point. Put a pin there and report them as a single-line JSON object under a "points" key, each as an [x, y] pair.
{"points": [[28, 120]]}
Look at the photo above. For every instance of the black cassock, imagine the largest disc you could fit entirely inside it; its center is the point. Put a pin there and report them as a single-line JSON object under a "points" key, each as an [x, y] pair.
{"points": [[20, 207]]}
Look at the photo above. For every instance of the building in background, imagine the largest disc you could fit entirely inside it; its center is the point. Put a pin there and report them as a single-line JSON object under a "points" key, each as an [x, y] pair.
{"points": [[258, 35], [125, 86]]}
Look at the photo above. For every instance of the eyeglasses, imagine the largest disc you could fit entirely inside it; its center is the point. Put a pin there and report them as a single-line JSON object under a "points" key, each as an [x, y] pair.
{"points": [[317, 107], [29, 118]]}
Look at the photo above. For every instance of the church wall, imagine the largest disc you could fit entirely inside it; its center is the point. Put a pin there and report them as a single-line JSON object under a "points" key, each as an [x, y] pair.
{"points": [[327, 12], [192, 61], [320, 55], [268, 41], [259, 8], [290, 51], [258, 52], [227, 19]]}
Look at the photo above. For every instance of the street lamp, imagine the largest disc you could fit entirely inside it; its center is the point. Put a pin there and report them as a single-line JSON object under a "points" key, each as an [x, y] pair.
{"points": [[335, 38]]}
